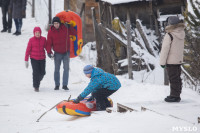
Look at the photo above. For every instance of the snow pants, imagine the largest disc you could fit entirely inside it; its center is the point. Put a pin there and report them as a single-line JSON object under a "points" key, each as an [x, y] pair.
{"points": [[101, 98], [174, 73], [38, 67], [7, 23]]}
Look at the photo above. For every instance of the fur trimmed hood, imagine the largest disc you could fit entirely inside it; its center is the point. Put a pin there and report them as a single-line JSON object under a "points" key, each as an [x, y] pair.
{"points": [[176, 30]]}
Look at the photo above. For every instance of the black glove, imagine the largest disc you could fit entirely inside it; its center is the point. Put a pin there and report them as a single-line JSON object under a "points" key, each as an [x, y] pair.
{"points": [[67, 25], [23, 14], [90, 99], [50, 55], [78, 99], [163, 66]]}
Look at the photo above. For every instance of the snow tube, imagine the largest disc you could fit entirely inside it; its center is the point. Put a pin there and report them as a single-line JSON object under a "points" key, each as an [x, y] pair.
{"points": [[83, 108], [76, 42]]}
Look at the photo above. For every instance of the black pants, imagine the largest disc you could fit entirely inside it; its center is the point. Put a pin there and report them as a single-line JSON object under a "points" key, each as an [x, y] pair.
{"points": [[174, 73], [101, 98], [7, 24], [38, 71]]}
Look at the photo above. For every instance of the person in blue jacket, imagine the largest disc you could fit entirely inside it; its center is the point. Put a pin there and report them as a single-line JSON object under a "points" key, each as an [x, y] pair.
{"points": [[101, 86]]}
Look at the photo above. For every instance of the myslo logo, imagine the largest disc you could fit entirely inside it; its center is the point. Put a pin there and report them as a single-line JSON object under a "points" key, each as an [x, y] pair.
{"points": [[184, 129]]}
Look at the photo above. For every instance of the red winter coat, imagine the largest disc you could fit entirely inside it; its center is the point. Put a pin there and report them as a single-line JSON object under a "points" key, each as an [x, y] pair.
{"points": [[36, 47], [59, 39]]}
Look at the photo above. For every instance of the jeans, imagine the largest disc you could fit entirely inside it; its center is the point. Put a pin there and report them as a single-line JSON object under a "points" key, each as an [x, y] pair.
{"points": [[38, 67], [18, 24], [58, 58]]}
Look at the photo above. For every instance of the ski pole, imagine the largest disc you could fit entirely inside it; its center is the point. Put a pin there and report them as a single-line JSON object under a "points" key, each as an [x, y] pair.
{"points": [[52, 108]]}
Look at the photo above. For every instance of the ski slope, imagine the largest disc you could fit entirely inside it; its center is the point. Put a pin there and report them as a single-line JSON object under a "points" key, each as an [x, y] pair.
{"points": [[20, 106]]}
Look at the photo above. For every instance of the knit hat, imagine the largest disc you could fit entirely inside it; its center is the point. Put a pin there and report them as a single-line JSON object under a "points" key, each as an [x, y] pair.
{"points": [[56, 19], [88, 69], [173, 20]]}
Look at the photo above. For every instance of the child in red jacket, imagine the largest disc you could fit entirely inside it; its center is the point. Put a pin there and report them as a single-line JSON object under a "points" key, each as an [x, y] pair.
{"points": [[36, 51]]}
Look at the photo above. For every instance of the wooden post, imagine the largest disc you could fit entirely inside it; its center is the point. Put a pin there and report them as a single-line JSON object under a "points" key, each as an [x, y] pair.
{"points": [[151, 14], [33, 8], [66, 5], [82, 9], [98, 45], [50, 13], [129, 54]]}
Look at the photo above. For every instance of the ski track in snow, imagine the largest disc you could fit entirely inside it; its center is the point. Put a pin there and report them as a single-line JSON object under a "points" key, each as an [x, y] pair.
{"points": [[20, 106]]}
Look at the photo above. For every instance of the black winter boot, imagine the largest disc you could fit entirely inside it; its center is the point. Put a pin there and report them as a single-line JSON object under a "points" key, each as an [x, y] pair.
{"points": [[56, 88], [4, 30], [65, 87], [172, 99]]}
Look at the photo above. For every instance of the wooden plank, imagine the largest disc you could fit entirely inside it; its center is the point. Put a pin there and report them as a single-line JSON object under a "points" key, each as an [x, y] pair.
{"points": [[144, 37], [122, 108]]}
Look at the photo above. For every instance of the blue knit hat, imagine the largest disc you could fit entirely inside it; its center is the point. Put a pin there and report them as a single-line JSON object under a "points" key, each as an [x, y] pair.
{"points": [[88, 69]]}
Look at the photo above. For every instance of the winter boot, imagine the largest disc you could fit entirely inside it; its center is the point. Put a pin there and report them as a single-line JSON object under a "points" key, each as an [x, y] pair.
{"points": [[18, 33], [36, 89], [4, 30], [56, 88], [65, 87], [172, 99], [9, 30]]}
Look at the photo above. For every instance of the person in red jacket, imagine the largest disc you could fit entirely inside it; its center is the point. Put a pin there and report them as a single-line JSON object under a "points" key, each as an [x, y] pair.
{"points": [[58, 39], [36, 51]]}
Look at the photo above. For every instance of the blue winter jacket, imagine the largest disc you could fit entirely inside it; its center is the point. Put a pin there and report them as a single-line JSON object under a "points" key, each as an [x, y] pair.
{"points": [[100, 79]]}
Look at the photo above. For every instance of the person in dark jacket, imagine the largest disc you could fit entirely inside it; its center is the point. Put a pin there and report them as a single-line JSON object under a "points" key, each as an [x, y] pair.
{"points": [[36, 50], [101, 86], [18, 8], [58, 38], [171, 56], [7, 23]]}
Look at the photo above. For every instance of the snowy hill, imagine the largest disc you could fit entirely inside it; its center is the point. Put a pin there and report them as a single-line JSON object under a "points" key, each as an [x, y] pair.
{"points": [[20, 106]]}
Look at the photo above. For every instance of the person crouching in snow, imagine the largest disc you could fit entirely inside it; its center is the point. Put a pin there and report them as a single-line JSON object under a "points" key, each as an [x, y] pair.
{"points": [[171, 56], [101, 86], [36, 50]]}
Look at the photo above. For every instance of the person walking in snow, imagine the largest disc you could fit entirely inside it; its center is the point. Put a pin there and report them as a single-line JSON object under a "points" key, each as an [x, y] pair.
{"points": [[171, 56], [7, 23], [36, 51], [18, 8], [58, 38], [101, 86]]}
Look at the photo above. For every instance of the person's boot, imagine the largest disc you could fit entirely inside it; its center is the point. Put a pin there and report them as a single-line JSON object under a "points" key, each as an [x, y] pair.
{"points": [[36, 89], [172, 99], [56, 88], [9, 30], [65, 87], [15, 33], [4, 30], [18, 33]]}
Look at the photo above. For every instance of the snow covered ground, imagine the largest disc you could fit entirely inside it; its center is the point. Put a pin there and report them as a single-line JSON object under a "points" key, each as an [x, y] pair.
{"points": [[20, 106]]}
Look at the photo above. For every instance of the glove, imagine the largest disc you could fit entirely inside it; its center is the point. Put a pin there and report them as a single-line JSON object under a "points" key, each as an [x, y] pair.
{"points": [[163, 66], [78, 99], [51, 56], [23, 14], [90, 99], [67, 25], [26, 64]]}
